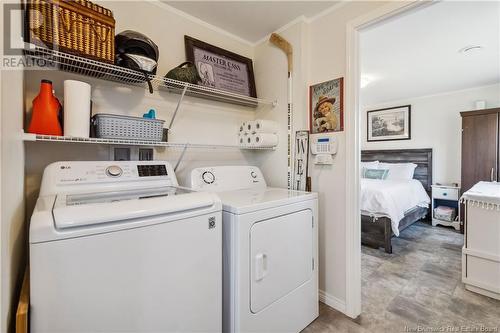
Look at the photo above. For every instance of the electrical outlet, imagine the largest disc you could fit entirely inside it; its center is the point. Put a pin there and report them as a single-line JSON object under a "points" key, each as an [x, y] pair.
{"points": [[120, 153], [145, 154]]}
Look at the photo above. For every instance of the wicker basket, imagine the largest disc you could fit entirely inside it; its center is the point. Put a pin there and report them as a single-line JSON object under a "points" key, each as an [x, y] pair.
{"points": [[112, 126], [78, 27]]}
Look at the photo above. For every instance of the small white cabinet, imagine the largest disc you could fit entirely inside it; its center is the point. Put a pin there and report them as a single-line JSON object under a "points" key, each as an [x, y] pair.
{"points": [[481, 251], [444, 195]]}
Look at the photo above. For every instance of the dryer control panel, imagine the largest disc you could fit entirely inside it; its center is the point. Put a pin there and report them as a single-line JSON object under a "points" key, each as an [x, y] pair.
{"points": [[75, 175], [227, 178]]}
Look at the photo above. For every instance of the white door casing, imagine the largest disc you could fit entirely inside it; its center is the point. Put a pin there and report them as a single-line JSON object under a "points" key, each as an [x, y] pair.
{"points": [[353, 122]]}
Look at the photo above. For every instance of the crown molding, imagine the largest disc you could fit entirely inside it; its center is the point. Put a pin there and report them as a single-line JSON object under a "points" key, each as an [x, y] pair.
{"points": [[439, 94], [299, 19], [327, 11], [293, 22], [198, 21], [304, 19]]}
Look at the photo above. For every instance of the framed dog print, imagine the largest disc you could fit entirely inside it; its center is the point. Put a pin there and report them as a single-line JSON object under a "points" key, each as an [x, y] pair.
{"points": [[326, 106], [389, 124]]}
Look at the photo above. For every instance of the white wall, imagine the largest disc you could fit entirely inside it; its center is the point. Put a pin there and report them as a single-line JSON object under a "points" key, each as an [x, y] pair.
{"points": [[198, 121], [272, 79], [320, 49], [12, 227], [327, 39], [436, 124], [319, 55]]}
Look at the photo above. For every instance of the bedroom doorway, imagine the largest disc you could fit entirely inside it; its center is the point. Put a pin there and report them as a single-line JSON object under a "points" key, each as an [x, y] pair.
{"points": [[410, 274]]}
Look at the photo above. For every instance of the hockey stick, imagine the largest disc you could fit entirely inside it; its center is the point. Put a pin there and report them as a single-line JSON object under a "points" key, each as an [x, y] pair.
{"points": [[286, 47]]}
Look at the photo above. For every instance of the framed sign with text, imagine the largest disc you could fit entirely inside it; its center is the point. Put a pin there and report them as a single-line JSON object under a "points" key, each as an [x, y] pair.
{"points": [[221, 69]]}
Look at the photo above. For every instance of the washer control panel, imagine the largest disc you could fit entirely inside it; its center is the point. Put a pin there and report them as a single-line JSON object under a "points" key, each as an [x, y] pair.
{"points": [[79, 172], [227, 178], [152, 170]]}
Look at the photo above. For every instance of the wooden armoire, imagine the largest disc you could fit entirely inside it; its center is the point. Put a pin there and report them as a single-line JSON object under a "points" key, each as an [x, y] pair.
{"points": [[480, 147]]}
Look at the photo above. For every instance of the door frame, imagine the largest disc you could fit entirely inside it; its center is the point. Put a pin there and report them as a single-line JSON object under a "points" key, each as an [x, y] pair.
{"points": [[353, 142]]}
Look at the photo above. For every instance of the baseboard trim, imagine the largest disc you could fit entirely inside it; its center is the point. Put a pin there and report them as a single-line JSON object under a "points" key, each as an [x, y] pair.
{"points": [[332, 301]]}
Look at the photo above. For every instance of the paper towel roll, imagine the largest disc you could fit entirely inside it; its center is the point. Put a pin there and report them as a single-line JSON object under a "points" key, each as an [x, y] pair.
{"points": [[265, 140], [265, 126], [76, 108]]}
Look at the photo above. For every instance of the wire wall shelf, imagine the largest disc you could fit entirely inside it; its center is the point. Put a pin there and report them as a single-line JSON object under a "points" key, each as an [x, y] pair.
{"points": [[46, 58], [67, 139]]}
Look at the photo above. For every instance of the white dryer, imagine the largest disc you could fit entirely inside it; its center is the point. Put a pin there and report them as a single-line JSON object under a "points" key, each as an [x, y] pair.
{"points": [[270, 251], [119, 247]]}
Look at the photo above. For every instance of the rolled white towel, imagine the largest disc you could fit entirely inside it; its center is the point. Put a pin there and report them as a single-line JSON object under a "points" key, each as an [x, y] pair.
{"points": [[265, 126], [264, 140]]}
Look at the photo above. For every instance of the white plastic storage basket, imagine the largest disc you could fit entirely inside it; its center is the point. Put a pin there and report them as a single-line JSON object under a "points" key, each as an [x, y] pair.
{"points": [[445, 213], [111, 126]]}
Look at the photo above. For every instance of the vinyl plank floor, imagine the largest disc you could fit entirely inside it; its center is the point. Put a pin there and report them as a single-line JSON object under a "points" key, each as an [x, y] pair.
{"points": [[417, 288]]}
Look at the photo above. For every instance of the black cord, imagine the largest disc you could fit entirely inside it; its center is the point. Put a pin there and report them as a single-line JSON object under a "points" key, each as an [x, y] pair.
{"points": [[146, 76]]}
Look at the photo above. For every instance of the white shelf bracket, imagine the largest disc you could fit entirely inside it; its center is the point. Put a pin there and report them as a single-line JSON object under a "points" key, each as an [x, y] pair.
{"points": [[178, 106], [181, 157]]}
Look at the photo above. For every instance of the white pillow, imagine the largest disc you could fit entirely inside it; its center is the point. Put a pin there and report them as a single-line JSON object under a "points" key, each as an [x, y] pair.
{"points": [[399, 171], [370, 165], [367, 165]]}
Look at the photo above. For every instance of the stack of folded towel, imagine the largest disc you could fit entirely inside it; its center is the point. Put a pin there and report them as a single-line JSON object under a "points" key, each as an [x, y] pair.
{"points": [[258, 134]]}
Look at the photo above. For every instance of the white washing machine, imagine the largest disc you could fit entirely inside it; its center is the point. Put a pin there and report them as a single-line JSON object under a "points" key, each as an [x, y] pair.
{"points": [[270, 251], [119, 247]]}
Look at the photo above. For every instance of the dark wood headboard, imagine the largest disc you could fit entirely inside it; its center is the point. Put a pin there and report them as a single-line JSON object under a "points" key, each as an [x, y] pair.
{"points": [[421, 157]]}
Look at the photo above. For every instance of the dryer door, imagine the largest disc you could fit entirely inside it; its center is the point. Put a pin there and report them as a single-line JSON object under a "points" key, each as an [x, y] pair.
{"points": [[281, 257]]}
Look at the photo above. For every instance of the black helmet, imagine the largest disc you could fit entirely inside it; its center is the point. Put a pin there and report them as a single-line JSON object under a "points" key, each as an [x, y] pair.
{"points": [[136, 51]]}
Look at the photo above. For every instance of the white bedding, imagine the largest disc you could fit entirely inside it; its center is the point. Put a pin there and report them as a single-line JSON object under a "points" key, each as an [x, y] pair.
{"points": [[391, 198]]}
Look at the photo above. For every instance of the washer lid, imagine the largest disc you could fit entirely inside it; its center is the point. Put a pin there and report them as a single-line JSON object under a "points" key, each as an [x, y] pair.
{"points": [[250, 200], [81, 209]]}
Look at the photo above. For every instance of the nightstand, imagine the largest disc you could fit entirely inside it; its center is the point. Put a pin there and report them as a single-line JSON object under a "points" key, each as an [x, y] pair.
{"points": [[448, 196]]}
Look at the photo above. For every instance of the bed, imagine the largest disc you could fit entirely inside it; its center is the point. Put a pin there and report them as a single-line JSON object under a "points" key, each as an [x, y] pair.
{"points": [[390, 206]]}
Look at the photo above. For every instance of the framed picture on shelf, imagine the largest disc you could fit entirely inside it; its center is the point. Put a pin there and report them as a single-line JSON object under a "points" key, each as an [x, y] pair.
{"points": [[221, 69], [326, 106], [389, 124]]}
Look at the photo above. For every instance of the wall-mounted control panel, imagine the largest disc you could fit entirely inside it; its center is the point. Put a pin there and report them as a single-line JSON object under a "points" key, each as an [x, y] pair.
{"points": [[323, 147]]}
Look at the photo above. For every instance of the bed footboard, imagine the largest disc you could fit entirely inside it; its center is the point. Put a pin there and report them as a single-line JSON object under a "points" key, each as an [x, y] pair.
{"points": [[376, 234]]}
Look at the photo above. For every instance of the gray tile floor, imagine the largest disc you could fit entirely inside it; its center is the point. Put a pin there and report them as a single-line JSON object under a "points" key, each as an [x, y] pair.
{"points": [[416, 287]]}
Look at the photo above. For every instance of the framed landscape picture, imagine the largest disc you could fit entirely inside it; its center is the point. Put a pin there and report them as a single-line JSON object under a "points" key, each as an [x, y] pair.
{"points": [[221, 69], [389, 124], [326, 106]]}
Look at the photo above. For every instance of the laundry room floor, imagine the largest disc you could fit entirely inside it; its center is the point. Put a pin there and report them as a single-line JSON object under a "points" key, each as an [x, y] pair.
{"points": [[419, 284]]}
